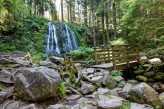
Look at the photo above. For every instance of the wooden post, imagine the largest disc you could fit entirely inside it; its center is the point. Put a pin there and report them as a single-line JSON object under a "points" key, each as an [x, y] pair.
{"points": [[95, 53], [108, 54]]}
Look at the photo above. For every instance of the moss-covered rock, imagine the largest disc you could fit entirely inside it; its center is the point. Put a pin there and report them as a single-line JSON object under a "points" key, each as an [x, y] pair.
{"points": [[149, 74], [144, 94], [159, 76], [139, 72], [151, 80], [142, 78], [38, 83]]}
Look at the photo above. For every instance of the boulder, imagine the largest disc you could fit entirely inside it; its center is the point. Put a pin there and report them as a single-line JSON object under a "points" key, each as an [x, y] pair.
{"points": [[87, 88], [139, 72], [161, 97], [56, 106], [109, 82], [155, 61], [38, 83], [140, 106], [142, 78], [3, 96], [56, 60], [109, 102], [6, 77], [144, 94]]}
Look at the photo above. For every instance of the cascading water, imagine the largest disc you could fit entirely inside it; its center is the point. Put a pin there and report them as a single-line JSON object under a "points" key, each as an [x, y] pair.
{"points": [[65, 42], [52, 40]]}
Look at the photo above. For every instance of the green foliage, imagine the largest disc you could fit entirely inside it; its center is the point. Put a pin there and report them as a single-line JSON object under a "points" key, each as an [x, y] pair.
{"points": [[24, 35], [81, 53], [38, 56], [116, 73], [2, 85], [79, 37], [119, 41], [157, 51], [62, 89], [125, 105]]}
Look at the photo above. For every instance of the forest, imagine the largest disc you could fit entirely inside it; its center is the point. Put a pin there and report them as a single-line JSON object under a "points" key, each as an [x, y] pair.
{"points": [[82, 54]]}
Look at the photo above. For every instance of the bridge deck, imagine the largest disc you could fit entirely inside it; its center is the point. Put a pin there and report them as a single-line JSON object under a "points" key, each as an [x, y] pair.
{"points": [[117, 57]]}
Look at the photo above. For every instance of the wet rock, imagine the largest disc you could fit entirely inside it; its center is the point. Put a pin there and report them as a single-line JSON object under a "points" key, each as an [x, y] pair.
{"points": [[139, 72], [56, 106], [144, 94], [3, 96], [142, 78], [140, 106], [109, 82], [31, 106], [56, 60], [155, 60], [87, 88], [6, 77], [37, 83]]}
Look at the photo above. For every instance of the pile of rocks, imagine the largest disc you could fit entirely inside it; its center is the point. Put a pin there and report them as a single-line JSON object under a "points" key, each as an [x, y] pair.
{"points": [[150, 70], [95, 88]]}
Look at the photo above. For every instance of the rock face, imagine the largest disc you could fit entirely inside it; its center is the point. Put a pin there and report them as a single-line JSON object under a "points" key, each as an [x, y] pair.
{"points": [[143, 93], [6, 77], [35, 84]]}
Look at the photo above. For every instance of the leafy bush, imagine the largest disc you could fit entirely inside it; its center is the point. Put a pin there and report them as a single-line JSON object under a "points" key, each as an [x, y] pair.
{"points": [[116, 73], [37, 57], [119, 41], [81, 53]]}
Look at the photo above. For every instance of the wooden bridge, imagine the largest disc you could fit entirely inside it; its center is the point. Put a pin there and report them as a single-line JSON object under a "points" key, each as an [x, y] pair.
{"points": [[117, 57]]}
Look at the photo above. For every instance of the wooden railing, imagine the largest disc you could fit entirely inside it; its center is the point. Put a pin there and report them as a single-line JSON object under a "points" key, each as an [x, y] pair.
{"points": [[116, 54]]}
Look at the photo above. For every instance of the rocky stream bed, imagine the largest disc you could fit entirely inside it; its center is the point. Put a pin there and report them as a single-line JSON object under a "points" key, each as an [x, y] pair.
{"points": [[59, 83]]}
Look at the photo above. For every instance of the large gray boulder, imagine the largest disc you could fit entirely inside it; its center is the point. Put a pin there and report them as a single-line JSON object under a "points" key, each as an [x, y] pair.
{"points": [[144, 94], [35, 84]]}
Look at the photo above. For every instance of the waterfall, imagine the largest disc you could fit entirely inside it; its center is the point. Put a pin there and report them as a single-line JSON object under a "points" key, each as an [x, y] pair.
{"points": [[65, 42], [52, 40]]}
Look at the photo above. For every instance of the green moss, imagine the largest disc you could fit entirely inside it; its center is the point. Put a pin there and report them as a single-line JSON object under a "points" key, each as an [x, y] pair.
{"points": [[79, 37], [142, 78], [139, 72]]}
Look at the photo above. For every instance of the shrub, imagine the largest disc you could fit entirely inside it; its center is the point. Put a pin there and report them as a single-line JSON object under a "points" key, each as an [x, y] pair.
{"points": [[119, 41], [81, 53], [116, 73]]}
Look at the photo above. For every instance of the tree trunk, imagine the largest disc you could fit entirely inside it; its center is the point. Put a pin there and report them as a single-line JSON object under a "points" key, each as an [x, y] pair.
{"points": [[107, 24], [93, 30], [62, 12], [114, 19]]}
